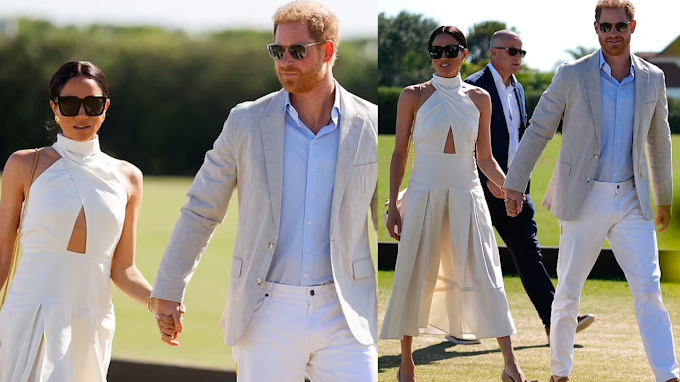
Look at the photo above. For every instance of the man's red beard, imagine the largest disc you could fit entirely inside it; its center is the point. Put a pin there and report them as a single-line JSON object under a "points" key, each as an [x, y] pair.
{"points": [[303, 81], [616, 50]]}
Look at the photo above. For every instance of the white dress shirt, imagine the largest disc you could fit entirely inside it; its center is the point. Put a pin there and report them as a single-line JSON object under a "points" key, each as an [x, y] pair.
{"points": [[510, 110]]}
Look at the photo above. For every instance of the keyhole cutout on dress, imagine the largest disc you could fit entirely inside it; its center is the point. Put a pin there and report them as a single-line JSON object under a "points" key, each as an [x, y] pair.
{"points": [[78, 241], [450, 147]]}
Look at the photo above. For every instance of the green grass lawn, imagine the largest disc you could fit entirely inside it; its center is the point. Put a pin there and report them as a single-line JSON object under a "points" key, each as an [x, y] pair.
{"points": [[202, 344], [610, 350], [548, 230]]}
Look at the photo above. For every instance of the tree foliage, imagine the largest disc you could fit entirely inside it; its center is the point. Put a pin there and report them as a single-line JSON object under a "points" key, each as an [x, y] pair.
{"points": [[170, 92], [479, 40], [402, 49]]}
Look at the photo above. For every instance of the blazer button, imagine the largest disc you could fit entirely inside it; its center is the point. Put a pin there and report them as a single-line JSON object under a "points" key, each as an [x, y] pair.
{"points": [[259, 281], [588, 180], [270, 245], [596, 156]]}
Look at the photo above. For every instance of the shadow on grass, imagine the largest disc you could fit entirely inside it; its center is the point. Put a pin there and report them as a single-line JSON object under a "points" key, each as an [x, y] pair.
{"points": [[437, 352]]}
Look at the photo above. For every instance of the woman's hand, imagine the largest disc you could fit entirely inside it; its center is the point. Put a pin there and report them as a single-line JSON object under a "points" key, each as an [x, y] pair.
{"points": [[394, 221]]}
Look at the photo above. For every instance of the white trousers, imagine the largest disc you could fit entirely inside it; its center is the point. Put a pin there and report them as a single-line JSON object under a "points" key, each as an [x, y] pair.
{"points": [[612, 211], [301, 331]]}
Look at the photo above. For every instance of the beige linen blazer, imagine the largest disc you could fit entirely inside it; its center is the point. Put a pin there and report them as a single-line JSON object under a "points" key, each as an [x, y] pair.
{"points": [[575, 97], [248, 156]]}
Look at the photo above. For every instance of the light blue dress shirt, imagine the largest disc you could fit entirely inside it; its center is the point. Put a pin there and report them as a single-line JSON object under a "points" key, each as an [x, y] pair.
{"points": [[618, 117], [303, 253]]}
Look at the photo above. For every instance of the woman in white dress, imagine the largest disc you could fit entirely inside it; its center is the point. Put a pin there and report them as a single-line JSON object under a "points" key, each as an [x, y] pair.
{"points": [[78, 234], [448, 278]]}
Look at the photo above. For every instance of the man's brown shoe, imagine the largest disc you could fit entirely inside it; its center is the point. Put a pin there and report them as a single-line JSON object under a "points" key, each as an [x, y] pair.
{"points": [[559, 379], [583, 322]]}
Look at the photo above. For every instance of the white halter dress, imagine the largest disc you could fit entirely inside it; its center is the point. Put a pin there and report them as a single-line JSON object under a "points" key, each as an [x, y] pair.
{"points": [[57, 323], [448, 277]]}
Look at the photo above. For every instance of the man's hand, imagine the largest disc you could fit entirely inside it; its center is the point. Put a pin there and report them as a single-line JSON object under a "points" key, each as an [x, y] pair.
{"points": [[663, 217], [495, 190], [169, 319], [513, 202]]}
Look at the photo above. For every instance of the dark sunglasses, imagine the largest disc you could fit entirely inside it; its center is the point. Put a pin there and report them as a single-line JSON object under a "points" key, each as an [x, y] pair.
{"points": [[298, 51], [451, 51], [513, 51], [607, 27], [69, 106]]}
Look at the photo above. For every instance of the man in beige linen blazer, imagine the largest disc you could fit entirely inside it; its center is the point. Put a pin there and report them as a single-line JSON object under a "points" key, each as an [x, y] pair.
{"points": [[613, 106], [574, 98], [249, 156]]}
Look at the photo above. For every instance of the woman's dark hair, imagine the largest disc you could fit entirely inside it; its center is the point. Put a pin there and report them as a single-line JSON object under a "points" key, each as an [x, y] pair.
{"points": [[70, 70], [450, 30]]}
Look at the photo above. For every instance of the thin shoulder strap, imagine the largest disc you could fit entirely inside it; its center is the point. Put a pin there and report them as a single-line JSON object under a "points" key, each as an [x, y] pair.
{"points": [[15, 253]]}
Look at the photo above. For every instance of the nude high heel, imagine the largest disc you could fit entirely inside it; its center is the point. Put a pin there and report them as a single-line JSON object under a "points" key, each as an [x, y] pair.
{"points": [[507, 378]]}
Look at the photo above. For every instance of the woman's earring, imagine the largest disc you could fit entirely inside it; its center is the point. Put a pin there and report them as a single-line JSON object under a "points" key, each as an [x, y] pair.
{"points": [[56, 119]]}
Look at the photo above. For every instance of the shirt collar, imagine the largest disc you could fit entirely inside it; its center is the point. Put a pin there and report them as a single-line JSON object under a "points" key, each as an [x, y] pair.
{"points": [[497, 77], [608, 69], [335, 113]]}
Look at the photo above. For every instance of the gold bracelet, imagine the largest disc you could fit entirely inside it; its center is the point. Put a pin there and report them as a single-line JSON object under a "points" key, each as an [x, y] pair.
{"points": [[148, 302]]}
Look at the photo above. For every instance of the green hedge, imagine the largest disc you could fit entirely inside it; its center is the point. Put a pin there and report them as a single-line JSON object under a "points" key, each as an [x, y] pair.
{"points": [[170, 91], [387, 109], [388, 98]]}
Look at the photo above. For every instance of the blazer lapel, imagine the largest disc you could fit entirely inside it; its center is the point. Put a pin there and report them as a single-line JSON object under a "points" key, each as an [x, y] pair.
{"points": [[350, 135], [641, 86], [592, 80], [519, 94], [273, 126], [489, 85], [500, 138]]}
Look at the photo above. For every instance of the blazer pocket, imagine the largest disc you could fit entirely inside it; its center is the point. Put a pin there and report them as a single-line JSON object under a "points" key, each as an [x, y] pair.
{"points": [[643, 170], [363, 268], [365, 164], [564, 168], [236, 266], [364, 169], [649, 106]]}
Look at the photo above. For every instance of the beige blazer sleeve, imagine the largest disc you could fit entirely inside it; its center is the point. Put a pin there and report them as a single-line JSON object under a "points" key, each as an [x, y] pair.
{"points": [[374, 210], [209, 198], [541, 130], [659, 150]]}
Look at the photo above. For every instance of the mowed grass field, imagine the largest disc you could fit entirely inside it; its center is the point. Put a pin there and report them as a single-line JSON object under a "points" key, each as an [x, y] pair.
{"points": [[610, 350], [548, 229], [202, 344]]}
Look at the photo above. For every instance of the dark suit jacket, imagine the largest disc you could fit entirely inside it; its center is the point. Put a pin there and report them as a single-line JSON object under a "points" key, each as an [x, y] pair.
{"points": [[500, 139]]}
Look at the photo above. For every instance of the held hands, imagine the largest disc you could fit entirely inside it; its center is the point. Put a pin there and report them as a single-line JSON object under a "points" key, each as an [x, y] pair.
{"points": [[169, 319], [394, 219], [495, 190], [513, 202], [663, 217]]}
